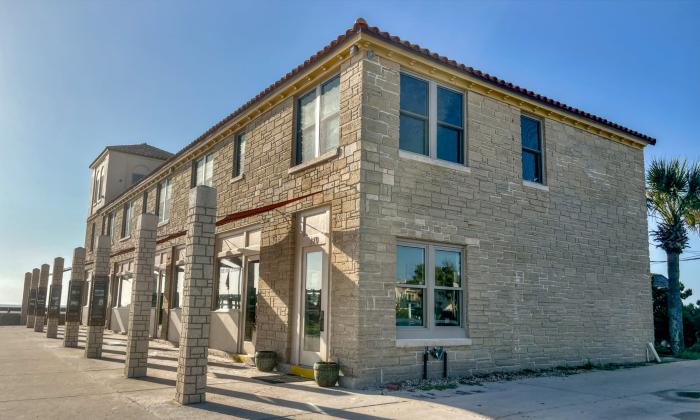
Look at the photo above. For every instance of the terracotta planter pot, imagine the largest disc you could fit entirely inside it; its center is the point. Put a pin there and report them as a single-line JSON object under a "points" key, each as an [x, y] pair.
{"points": [[326, 373], [265, 361]]}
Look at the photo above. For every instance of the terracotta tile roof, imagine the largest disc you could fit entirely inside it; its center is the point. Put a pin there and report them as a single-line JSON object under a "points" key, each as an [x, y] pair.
{"points": [[362, 26]]}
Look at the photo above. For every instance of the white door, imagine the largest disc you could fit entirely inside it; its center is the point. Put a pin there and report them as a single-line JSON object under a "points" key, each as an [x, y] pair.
{"points": [[312, 331]]}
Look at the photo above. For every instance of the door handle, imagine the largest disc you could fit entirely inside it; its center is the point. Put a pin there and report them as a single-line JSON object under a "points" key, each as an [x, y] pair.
{"points": [[323, 319]]}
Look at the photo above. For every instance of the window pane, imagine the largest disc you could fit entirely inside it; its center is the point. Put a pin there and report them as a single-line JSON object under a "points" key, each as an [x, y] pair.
{"points": [[413, 135], [329, 133], [410, 265], [126, 291], [409, 307], [414, 95], [329, 98], [449, 107], [229, 296], [449, 144], [178, 286], [306, 141], [240, 154], [313, 284], [530, 132], [531, 166], [330, 116], [209, 171], [253, 278], [448, 268], [447, 303]]}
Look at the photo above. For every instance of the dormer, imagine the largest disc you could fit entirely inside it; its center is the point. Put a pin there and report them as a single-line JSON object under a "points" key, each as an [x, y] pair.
{"points": [[119, 167]]}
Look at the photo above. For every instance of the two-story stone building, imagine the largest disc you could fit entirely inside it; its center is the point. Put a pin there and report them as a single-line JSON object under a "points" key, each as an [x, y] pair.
{"points": [[379, 199]]}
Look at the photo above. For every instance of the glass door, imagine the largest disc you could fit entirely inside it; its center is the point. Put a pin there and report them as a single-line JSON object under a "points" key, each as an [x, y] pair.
{"points": [[314, 303], [251, 298]]}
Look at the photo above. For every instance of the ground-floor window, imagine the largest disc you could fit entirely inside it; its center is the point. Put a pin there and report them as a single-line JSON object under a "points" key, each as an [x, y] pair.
{"points": [[125, 285], [229, 290], [429, 290], [178, 286]]}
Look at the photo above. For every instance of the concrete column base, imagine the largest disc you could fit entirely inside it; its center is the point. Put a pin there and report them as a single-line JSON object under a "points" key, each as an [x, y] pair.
{"points": [[38, 324], [70, 336], [93, 342], [52, 328], [30, 321]]}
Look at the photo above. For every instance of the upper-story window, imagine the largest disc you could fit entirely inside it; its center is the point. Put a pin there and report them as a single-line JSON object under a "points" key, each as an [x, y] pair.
{"points": [[531, 140], [98, 183], [429, 291], [126, 220], [110, 225], [239, 154], [203, 171], [318, 120], [431, 120], [164, 202]]}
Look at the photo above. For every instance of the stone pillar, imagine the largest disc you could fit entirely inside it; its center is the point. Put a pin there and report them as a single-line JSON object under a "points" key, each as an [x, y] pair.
{"points": [[196, 302], [136, 361], [54, 299], [40, 312], [74, 307], [32, 298], [25, 297], [97, 300]]}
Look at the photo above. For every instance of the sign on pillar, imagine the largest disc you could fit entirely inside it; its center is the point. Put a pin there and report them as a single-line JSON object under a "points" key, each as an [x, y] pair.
{"points": [[25, 297], [54, 299], [40, 312], [136, 362], [196, 302], [97, 303], [74, 304], [32, 298]]}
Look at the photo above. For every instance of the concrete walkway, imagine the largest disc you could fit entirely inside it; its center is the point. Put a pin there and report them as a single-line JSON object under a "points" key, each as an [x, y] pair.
{"points": [[41, 379]]}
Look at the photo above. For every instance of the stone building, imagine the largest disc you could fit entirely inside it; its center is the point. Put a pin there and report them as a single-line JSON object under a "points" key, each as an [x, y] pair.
{"points": [[380, 199]]}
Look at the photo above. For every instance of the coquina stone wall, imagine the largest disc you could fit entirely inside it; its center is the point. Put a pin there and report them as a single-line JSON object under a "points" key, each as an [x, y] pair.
{"points": [[554, 276]]}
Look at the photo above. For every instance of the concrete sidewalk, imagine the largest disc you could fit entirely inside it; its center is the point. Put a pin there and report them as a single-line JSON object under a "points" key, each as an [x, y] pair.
{"points": [[41, 379]]}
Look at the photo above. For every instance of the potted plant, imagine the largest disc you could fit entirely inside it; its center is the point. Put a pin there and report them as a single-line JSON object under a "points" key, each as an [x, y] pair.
{"points": [[265, 361], [326, 373]]}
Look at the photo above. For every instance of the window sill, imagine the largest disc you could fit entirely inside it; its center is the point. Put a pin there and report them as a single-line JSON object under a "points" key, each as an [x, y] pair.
{"points": [[163, 223], [403, 154], [237, 178], [423, 342], [126, 238], [315, 161], [536, 185]]}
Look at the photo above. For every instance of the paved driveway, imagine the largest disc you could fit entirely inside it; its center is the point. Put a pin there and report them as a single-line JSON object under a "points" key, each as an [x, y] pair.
{"points": [[41, 379]]}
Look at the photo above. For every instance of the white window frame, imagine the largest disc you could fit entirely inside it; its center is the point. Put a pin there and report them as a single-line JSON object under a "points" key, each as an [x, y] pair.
{"points": [[207, 162], [429, 330], [165, 193], [433, 120], [317, 128]]}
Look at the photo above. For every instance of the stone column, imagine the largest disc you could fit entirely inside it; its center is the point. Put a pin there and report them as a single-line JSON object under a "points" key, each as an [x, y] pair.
{"points": [[25, 297], [40, 312], [54, 299], [136, 361], [97, 300], [196, 302], [74, 308], [32, 298]]}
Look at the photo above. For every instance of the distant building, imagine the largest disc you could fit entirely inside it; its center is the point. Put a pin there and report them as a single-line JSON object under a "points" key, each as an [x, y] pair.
{"points": [[386, 199]]}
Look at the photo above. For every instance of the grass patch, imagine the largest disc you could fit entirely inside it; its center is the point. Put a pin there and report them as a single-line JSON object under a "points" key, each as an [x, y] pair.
{"points": [[687, 354]]}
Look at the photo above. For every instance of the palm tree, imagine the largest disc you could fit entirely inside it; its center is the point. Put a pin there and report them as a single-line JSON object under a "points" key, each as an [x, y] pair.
{"points": [[673, 196]]}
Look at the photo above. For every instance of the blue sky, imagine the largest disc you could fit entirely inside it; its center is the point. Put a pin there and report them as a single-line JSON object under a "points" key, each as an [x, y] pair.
{"points": [[78, 75]]}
